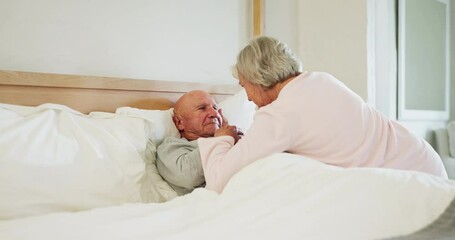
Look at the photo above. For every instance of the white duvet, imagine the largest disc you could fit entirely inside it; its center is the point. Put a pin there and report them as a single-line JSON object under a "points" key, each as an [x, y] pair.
{"points": [[283, 196]]}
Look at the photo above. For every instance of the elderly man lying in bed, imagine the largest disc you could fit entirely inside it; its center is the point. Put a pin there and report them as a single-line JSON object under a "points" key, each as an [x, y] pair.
{"points": [[196, 115]]}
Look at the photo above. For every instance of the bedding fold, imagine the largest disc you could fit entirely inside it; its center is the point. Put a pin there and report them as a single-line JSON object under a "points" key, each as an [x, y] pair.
{"points": [[282, 196]]}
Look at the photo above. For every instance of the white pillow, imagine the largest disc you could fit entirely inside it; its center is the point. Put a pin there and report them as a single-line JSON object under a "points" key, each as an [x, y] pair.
{"points": [[53, 158], [160, 122], [238, 110], [451, 132]]}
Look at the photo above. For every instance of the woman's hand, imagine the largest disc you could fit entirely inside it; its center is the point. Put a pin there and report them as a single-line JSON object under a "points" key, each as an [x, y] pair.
{"points": [[228, 130]]}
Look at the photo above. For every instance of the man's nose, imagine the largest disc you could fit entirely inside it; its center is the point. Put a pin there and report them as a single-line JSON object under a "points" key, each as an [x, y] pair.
{"points": [[213, 112]]}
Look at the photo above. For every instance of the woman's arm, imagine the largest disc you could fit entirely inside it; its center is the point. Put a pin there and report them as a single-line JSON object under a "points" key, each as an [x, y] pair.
{"points": [[222, 158]]}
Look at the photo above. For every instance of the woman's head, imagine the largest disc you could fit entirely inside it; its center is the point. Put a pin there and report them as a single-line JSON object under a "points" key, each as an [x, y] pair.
{"points": [[262, 65], [266, 61]]}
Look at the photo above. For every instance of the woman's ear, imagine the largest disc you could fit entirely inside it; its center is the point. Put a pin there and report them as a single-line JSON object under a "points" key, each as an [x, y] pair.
{"points": [[178, 122]]}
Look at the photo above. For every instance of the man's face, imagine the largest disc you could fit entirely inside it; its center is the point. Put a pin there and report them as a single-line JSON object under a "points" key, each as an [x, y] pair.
{"points": [[197, 115]]}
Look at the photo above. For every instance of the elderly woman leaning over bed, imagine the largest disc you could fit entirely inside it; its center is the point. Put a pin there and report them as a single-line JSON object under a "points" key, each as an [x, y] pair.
{"points": [[311, 114]]}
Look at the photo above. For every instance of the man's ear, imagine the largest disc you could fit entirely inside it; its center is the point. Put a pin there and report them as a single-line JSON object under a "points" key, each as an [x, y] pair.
{"points": [[178, 122]]}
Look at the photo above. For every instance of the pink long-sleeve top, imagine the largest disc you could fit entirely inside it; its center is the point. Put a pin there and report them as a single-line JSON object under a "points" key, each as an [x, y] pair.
{"points": [[317, 116]]}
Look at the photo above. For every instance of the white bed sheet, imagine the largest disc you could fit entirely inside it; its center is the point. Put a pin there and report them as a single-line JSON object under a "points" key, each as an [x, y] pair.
{"points": [[283, 196]]}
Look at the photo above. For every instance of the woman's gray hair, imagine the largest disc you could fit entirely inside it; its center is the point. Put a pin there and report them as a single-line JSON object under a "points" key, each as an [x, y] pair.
{"points": [[266, 61]]}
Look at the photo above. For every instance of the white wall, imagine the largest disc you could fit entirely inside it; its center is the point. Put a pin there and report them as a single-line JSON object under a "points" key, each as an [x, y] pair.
{"points": [[281, 22], [327, 36], [194, 41], [332, 38]]}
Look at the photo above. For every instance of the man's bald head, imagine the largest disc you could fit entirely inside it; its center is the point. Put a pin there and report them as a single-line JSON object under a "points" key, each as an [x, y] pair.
{"points": [[196, 115]]}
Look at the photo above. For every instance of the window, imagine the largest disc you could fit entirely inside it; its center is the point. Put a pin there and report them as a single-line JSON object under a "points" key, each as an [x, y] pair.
{"points": [[423, 59]]}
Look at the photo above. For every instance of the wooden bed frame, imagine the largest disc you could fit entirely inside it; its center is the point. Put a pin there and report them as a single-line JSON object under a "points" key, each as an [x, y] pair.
{"points": [[88, 93]]}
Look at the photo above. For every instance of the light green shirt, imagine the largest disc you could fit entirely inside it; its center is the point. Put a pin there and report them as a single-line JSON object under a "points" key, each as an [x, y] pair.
{"points": [[179, 163]]}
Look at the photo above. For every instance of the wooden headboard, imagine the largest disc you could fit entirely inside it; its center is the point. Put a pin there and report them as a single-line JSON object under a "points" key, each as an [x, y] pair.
{"points": [[87, 93]]}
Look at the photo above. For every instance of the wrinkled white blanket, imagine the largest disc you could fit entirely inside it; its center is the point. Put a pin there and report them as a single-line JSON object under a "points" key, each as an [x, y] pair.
{"points": [[283, 196]]}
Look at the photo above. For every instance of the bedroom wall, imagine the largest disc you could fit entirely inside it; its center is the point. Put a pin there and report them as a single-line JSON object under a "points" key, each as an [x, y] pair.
{"points": [[193, 41], [332, 38], [281, 22], [326, 35], [161, 39]]}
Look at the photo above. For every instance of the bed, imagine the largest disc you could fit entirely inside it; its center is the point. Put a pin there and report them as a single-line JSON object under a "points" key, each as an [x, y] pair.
{"points": [[77, 162]]}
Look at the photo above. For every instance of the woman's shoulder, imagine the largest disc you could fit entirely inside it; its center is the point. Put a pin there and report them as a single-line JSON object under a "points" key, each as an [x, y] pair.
{"points": [[317, 75], [323, 80], [305, 82]]}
